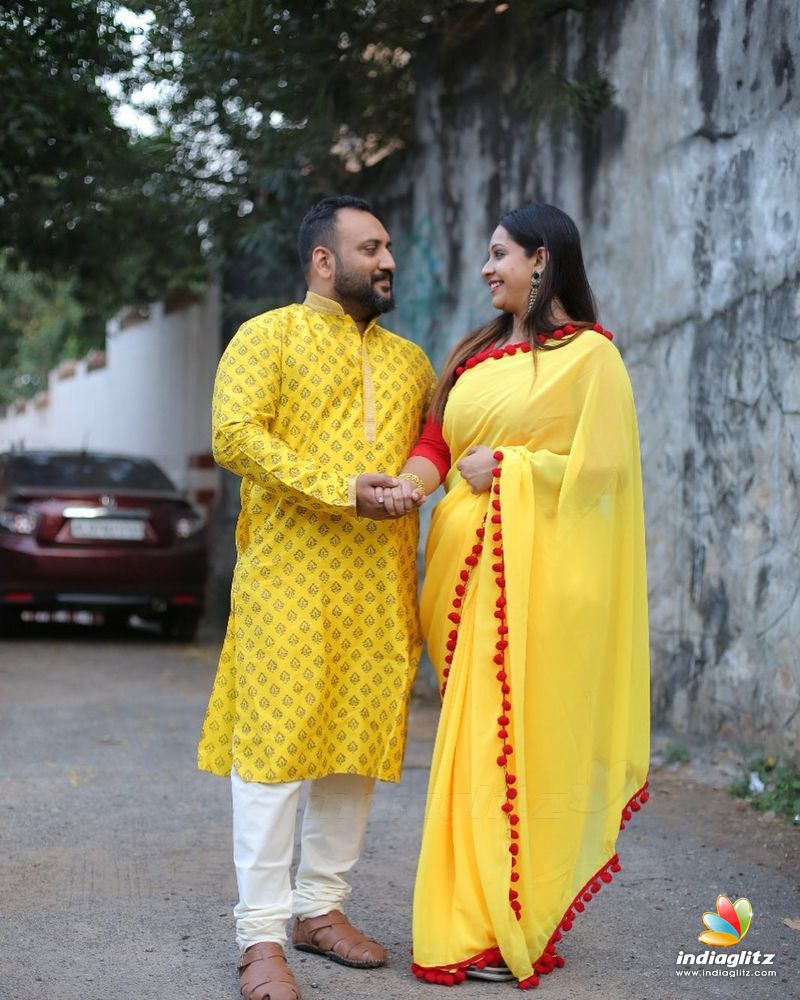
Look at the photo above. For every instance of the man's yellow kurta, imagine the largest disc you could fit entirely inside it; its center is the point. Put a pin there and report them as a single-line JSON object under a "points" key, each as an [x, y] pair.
{"points": [[323, 638]]}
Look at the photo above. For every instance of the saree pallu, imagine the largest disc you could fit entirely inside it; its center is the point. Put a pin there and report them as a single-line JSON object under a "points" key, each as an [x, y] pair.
{"points": [[534, 607]]}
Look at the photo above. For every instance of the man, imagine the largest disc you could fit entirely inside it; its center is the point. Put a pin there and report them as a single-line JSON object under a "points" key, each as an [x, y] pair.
{"points": [[323, 638]]}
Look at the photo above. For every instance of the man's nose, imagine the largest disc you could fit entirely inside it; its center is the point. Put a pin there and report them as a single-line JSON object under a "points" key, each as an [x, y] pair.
{"points": [[386, 261]]}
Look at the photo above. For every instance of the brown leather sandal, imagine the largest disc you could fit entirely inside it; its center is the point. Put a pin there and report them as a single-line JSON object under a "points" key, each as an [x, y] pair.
{"points": [[264, 973], [333, 936]]}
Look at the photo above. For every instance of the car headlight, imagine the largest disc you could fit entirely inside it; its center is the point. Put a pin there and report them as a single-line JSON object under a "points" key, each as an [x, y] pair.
{"points": [[18, 522], [188, 525]]}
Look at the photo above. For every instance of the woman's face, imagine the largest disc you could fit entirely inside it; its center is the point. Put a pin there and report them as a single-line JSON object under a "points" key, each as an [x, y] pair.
{"points": [[508, 273]]}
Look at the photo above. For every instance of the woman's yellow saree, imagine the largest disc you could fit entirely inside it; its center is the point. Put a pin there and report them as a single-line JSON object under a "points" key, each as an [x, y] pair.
{"points": [[534, 607]]}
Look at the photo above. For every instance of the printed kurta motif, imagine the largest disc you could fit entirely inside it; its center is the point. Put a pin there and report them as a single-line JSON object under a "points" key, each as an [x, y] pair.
{"points": [[323, 638], [534, 608]]}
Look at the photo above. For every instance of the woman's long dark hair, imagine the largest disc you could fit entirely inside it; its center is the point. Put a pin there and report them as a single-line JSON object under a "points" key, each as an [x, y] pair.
{"points": [[564, 278]]}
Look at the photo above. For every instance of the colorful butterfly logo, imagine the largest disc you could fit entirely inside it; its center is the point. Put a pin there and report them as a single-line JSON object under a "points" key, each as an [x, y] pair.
{"points": [[728, 925]]}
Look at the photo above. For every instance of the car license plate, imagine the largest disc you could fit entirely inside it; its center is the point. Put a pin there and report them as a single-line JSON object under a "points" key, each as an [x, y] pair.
{"points": [[108, 528]]}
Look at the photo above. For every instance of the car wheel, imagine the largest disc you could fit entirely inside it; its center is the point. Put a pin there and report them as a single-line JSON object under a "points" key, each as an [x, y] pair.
{"points": [[180, 627]]}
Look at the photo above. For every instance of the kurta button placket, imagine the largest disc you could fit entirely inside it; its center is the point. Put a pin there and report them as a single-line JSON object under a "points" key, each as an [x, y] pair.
{"points": [[367, 389]]}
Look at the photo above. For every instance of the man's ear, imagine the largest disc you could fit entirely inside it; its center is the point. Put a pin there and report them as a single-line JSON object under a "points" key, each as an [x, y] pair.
{"points": [[322, 262]]}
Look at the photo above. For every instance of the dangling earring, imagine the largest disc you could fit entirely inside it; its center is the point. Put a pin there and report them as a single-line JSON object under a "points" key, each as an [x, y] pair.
{"points": [[536, 280]]}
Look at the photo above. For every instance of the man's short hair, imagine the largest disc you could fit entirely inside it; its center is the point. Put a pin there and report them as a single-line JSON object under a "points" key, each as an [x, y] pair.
{"points": [[318, 228]]}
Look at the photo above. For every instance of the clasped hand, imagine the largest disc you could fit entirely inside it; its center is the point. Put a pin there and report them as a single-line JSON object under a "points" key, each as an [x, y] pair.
{"points": [[382, 497]]}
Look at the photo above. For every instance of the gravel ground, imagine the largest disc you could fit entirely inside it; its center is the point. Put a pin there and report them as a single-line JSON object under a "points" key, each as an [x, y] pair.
{"points": [[117, 881]]}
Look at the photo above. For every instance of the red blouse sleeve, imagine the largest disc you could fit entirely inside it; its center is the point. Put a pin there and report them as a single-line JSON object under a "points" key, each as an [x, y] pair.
{"points": [[432, 445]]}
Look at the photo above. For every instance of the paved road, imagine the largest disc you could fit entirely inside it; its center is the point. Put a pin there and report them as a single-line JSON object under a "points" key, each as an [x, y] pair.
{"points": [[116, 880]]}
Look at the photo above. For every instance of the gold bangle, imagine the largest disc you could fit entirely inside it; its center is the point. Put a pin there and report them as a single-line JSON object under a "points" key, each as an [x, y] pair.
{"points": [[414, 479]]}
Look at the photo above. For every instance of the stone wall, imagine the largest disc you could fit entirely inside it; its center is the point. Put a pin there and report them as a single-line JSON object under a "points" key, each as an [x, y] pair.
{"points": [[687, 193]]}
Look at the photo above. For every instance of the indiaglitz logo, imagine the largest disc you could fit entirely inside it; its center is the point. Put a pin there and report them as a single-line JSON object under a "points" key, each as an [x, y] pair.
{"points": [[728, 925], [725, 927]]}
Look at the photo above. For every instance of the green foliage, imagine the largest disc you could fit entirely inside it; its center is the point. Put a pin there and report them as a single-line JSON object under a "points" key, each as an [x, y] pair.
{"points": [[281, 85], [80, 199], [781, 793], [272, 105], [40, 321], [553, 98], [289, 101], [257, 109], [587, 99], [675, 753]]}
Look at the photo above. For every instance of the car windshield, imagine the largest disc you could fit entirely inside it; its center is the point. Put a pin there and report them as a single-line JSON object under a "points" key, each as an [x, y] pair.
{"points": [[89, 471]]}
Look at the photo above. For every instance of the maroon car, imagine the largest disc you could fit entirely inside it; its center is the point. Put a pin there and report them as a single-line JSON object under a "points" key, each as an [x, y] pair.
{"points": [[97, 532]]}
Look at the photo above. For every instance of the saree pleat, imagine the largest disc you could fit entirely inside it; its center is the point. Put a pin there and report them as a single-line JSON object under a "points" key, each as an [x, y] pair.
{"points": [[534, 607]]}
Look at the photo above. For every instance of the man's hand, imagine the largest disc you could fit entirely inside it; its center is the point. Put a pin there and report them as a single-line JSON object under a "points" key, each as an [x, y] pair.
{"points": [[370, 487], [476, 467], [403, 498]]}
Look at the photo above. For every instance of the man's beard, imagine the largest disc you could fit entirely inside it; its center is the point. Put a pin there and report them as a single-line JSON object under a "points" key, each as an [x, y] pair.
{"points": [[356, 289]]}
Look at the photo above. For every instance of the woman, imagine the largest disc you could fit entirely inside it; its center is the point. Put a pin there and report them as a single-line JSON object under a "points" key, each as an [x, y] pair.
{"points": [[534, 607]]}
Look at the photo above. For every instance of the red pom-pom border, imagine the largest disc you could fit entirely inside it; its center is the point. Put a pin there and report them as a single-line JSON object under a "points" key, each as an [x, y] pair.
{"points": [[498, 660], [452, 975], [564, 333], [549, 960]]}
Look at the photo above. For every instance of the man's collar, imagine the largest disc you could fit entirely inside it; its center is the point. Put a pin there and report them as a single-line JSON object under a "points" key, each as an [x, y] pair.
{"points": [[324, 305]]}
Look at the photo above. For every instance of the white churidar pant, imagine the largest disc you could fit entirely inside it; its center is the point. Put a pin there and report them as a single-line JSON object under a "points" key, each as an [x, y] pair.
{"points": [[264, 816]]}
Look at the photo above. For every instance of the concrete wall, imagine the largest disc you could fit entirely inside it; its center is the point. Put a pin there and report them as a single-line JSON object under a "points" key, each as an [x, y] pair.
{"points": [[688, 198], [150, 396]]}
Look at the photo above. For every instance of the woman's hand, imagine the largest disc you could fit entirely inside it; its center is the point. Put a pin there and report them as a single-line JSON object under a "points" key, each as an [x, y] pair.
{"points": [[476, 467], [401, 499]]}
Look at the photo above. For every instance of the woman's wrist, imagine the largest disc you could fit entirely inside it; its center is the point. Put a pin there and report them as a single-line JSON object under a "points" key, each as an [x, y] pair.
{"points": [[411, 477]]}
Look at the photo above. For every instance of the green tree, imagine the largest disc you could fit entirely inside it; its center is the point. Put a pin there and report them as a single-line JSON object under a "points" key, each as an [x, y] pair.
{"points": [[259, 108], [80, 198], [40, 324], [271, 104]]}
